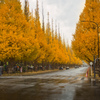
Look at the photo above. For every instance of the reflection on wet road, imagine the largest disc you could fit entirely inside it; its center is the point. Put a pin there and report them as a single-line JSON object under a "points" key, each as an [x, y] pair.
{"points": [[64, 85]]}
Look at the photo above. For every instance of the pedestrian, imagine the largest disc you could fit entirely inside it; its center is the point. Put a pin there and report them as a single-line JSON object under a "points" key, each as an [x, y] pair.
{"points": [[17, 68], [0, 70], [21, 69]]}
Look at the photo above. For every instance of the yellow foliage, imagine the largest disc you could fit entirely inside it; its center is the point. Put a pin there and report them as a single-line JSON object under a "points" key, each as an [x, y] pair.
{"points": [[22, 38], [85, 38]]}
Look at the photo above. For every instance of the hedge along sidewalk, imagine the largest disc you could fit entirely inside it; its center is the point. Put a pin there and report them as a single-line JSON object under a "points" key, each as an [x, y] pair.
{"points": [[31, 73]]}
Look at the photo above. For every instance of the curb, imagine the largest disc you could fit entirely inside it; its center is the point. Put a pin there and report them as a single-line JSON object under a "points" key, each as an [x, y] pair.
{"points": [[31, 73]]}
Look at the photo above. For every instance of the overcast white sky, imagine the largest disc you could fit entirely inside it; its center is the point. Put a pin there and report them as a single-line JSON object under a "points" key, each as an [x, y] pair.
{"points": [[66, 12]]}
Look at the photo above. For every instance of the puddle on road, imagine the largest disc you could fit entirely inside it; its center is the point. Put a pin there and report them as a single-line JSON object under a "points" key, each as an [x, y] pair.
{"points": [[42, 89], [87, 93], [49, 89]]}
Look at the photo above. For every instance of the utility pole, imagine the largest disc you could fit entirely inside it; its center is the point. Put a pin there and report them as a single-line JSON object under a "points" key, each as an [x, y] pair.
{"points": [[98, 48]]}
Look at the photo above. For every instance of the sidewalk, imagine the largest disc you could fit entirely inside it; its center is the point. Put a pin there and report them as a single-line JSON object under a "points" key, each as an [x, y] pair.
{"points": [[91, 75], [31, 73]]}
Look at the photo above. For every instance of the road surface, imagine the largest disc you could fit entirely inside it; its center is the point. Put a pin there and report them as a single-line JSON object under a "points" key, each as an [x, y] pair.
{"points": [[63, 85]]}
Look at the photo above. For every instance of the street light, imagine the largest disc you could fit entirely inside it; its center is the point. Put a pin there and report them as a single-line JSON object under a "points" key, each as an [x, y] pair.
{"points": [[98, 47], [97, 32]]}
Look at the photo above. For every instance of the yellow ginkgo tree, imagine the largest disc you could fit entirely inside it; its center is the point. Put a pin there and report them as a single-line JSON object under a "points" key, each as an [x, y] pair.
{"points": [[85, 38]]}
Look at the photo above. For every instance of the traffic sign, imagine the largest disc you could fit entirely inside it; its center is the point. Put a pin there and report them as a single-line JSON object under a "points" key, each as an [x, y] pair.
{"points": [[91, 63]]}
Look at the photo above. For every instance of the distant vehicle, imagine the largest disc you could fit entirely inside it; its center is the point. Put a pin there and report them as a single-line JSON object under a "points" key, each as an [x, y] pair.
{"points": [[76, 66], [61, 68], [67, 68]]}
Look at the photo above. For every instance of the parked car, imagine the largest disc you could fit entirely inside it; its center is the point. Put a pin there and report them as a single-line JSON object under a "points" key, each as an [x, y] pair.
{"points": [[61, 68], [67, 68], [76, 66]]}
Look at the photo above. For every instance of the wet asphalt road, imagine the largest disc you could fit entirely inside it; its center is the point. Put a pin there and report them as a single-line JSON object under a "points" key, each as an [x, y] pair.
{"points": [[64, 85]]}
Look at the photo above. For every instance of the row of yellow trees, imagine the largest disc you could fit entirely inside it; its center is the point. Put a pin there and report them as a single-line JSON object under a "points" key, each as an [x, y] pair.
{"points": [[85, 39], [23, 40]]}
